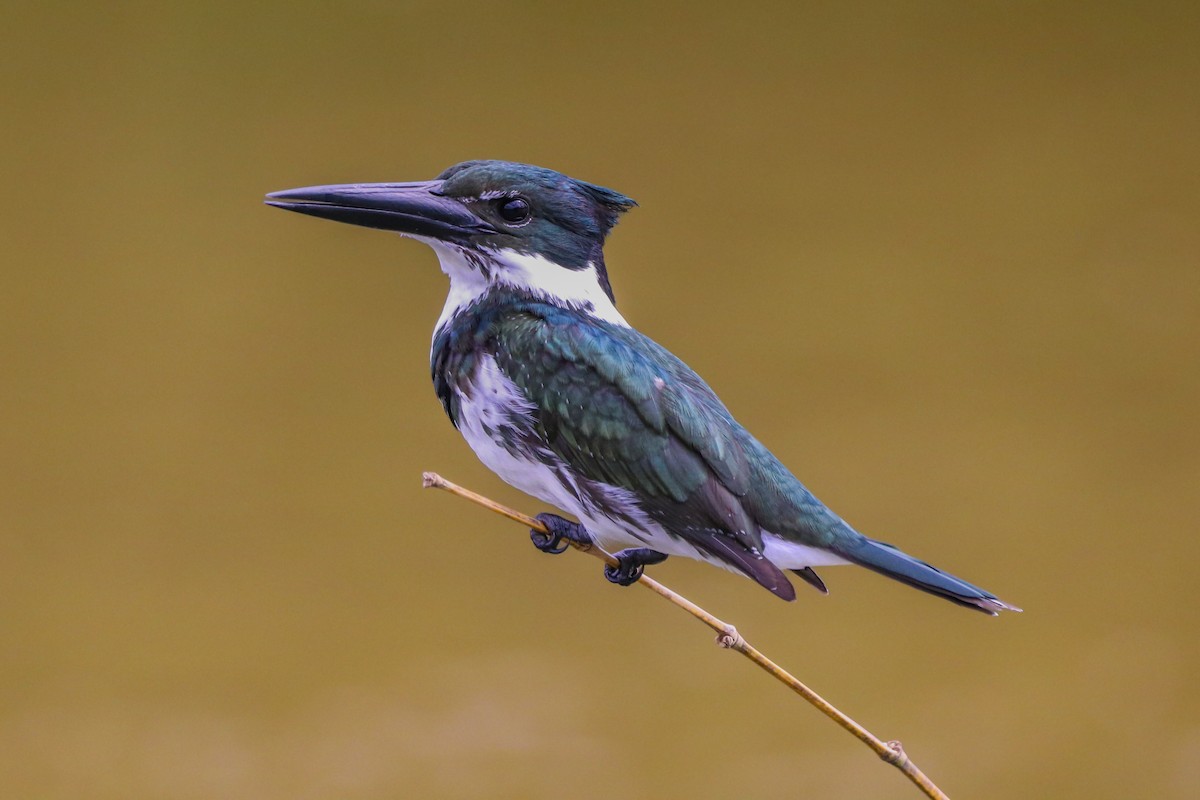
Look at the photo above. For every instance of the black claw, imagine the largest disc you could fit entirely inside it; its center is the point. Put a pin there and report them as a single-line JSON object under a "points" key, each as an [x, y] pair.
{"points": [[631, 564], [547, 542], [561, 533], [624, 574]]}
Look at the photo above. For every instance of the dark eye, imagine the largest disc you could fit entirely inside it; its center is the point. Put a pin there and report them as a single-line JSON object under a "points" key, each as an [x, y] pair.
{"points": [[514, 210]]}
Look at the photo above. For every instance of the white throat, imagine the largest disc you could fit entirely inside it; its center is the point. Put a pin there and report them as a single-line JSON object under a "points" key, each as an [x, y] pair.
{"points": [[471, 275]]}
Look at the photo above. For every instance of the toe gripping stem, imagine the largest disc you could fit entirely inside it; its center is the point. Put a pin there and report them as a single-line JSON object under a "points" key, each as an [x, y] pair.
{"points": [[631, 564], [561, 534]]}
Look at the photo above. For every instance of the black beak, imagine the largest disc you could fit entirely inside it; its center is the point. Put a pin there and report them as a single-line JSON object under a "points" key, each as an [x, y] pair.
{"points": [[412, 208]]}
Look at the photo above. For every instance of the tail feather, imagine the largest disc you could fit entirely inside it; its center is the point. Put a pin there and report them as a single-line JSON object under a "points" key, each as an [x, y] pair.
{"points": [[898, 565]]}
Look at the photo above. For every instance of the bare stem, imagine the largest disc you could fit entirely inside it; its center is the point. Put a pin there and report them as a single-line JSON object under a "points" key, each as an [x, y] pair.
{"points": [[728, 637]]}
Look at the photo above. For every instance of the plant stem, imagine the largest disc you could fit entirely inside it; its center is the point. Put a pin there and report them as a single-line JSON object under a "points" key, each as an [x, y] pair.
{"points": [[727, 636]]}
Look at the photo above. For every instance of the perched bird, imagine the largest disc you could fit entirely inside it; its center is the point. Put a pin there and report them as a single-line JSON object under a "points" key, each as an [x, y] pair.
{"points": [[558, 395]]}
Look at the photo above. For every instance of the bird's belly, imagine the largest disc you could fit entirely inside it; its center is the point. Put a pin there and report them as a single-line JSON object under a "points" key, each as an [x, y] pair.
{"points": [[496, 419], [550, 482], [528, 475]]}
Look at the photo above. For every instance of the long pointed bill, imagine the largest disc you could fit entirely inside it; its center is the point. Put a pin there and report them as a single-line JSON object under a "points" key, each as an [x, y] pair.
{"points": [[412, 208]]}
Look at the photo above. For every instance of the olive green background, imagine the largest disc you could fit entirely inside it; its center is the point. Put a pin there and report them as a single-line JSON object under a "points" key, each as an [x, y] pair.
{"points": [[941, 257]]}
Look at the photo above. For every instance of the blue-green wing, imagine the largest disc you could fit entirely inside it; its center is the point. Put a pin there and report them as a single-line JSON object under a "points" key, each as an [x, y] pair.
{"points": [[622, 410]]}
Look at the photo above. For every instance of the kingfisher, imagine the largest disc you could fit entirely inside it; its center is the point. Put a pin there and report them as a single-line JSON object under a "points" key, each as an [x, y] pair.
{"points": [[562, 398]]}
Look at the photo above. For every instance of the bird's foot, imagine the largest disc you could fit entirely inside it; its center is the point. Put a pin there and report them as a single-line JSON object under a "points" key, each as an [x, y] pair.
{"points": [[630, 564], [561, 533]]}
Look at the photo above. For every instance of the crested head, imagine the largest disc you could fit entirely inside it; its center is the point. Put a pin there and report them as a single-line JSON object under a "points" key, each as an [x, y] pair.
{"points": [[573, 206], [538, 212]]}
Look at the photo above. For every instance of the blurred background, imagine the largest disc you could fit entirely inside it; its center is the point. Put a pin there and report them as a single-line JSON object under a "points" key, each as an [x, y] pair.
{"points": [[942, 259]]}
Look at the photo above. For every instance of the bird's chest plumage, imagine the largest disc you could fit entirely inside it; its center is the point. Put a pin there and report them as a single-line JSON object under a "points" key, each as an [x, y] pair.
{"points": [[491, 412], [497, 421], [501, 425]]}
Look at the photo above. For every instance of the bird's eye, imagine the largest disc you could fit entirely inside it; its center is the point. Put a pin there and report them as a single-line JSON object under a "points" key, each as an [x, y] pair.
{"points": [[514, 210]]}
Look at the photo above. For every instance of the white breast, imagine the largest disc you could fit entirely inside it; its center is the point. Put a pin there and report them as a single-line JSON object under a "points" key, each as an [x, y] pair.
{"points": [[486, 410]]}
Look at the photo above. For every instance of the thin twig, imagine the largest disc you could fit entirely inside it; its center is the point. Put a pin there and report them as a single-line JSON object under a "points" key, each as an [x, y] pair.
{"points": [[727, 636]]}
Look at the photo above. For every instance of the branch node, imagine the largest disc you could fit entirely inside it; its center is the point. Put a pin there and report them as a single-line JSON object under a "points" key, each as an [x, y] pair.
{"points": [[730, 639], [431, 480], [895, 754]]}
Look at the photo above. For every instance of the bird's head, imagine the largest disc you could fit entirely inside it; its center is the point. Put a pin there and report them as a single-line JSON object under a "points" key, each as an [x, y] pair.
{"points": [[491, 222]]}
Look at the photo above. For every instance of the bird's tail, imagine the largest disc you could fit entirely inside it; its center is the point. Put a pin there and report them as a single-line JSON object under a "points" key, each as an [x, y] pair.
{"points": [[898, 565]]}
